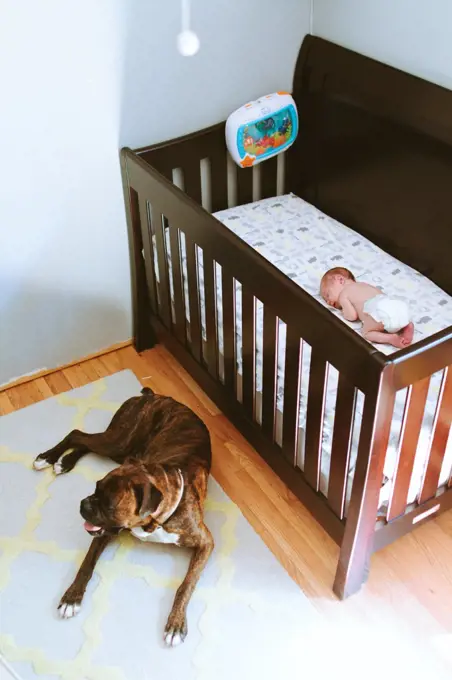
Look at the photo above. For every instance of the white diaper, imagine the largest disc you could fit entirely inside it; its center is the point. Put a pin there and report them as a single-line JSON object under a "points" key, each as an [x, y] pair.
{"points": [[393, 313]]}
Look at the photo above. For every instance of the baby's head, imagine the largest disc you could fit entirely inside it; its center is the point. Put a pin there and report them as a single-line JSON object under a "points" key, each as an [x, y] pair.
{"points": [[332, 283]]}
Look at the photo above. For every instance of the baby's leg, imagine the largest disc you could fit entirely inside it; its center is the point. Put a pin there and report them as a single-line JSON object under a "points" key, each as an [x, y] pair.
{"points": [[374, 332]]}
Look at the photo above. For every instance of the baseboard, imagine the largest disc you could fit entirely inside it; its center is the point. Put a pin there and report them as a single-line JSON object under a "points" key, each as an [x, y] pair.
{"points": [[48, 371]]}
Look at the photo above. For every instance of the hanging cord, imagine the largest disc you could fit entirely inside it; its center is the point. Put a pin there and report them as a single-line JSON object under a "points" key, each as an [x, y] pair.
{"points": [[185, 11]]}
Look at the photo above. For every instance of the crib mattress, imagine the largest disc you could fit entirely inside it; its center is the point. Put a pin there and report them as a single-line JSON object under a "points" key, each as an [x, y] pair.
{"points": [[303, 243]]}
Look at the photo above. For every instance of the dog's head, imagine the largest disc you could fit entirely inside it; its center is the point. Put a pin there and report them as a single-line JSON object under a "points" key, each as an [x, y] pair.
{"points": [[130, 496]]}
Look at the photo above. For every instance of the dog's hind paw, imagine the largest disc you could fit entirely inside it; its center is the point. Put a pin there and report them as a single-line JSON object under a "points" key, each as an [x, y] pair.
{"points": [[67, 611], [175, 632], [70, 603], [41, 463], [173, 639]]}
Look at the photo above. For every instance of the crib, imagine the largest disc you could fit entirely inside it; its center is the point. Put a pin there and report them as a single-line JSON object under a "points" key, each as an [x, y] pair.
{"points": [[374, 152]]}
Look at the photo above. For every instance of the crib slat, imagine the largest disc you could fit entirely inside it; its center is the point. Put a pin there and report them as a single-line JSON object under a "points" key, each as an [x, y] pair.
{"points": [[244, 185], [340, 448], [146, 235], [442, 423], [179, 306], [411, 428], [158, 222], [192, 179], [193, 298], [269, 171], [219, 177], [356, 546], [318, 374], [269, 372], [211, 325], [248, 351], [228, 301], [291, 395]]}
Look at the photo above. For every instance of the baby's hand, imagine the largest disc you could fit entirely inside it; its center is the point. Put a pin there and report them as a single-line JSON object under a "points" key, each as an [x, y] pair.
{"points": [[348, 310]]}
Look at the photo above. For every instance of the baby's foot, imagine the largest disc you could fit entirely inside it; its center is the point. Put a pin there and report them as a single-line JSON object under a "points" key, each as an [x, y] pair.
{"points": [[406, 335], [403, 338]]}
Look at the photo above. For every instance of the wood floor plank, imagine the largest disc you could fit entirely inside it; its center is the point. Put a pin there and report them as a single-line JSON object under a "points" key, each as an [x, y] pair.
{"points": [[23, 395], [100, 368], [43, 387], [111, 362], [6, 405], [57, 382], [76, 376]]}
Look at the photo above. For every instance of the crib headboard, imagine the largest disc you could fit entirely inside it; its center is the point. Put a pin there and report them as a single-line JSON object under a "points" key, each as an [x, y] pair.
{"points": [[375, 151]]}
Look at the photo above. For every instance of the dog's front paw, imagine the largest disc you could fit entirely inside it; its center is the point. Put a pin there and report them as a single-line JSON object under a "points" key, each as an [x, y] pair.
{"points": [[41, 462], [70, 604], [176, 630]]}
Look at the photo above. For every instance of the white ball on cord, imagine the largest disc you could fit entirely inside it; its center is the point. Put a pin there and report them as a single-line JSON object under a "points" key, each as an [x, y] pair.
{"points": [[187, 43]]}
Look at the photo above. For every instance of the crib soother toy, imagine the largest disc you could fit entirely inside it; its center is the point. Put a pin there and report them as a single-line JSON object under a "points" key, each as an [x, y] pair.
{"points": [[261, 129]]}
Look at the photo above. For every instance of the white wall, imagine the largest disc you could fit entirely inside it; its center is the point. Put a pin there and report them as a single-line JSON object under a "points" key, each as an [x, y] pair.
{"points": [[412, 35], [79, 79]]}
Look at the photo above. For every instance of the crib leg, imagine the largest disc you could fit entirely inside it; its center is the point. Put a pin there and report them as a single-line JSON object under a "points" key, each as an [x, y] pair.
{"points": [[352, 573]]}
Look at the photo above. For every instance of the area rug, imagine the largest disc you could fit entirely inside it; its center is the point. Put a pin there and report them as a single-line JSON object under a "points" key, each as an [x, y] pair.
{"points": [[247, 618]]}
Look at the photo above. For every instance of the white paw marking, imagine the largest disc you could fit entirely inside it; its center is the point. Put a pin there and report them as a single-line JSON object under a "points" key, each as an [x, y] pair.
{"points": [[173, 639], [40, 464], [67, 611], [58, 467]]}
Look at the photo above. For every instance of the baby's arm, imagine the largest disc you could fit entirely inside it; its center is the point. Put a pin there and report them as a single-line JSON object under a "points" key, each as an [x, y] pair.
{"points": [[348, 309]]}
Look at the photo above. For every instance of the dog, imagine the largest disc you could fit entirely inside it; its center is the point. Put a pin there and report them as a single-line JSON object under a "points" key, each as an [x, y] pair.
{"points": [[157, 492]]}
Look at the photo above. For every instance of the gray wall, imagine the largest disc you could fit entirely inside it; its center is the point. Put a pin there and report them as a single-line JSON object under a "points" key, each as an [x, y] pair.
{"points": [[80, 78], [413, 35]]}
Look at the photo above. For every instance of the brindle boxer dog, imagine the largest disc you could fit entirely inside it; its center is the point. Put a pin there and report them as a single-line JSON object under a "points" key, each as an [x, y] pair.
{"points": [[157, 492]]}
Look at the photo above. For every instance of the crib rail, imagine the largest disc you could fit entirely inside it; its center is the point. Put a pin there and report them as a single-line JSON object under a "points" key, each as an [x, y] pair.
{"points": [[200, 165]]}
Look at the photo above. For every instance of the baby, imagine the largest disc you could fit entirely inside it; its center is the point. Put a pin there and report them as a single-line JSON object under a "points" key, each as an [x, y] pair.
{"points": [[385, 320]]}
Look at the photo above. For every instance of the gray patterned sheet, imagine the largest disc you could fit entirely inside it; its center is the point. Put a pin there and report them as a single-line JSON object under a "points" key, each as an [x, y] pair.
{"points": [[304, 243]]}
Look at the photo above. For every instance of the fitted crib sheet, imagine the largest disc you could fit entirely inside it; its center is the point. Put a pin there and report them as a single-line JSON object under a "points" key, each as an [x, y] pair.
{"points": [[303, 243]]}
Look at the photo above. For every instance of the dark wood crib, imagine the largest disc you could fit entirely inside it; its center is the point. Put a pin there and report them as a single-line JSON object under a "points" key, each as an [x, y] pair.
{"points": [[375, 152]]}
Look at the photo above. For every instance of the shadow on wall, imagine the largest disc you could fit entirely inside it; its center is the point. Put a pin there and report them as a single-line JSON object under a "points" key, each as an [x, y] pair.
{"points": [[78, 331]]}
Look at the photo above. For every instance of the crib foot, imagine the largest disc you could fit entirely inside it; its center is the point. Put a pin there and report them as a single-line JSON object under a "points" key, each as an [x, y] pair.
{"points": [[349, 581]]}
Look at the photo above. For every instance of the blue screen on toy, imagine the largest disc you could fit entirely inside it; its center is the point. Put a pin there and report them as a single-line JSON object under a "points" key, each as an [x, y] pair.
{"points": [[268, 135]]}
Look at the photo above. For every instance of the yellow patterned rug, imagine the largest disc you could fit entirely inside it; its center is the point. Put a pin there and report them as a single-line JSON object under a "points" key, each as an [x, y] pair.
{"points": [[246, 620]]}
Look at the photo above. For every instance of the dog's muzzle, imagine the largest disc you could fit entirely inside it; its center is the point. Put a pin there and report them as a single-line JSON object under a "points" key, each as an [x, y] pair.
{"points": [[91, 524], [87, 512]]}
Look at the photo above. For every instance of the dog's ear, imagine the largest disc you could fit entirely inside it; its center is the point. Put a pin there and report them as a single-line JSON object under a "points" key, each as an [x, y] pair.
{"points": [[148, 498]]}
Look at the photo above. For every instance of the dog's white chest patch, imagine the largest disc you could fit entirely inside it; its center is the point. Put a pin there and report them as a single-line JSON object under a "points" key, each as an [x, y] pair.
{"points": [[159, 535]]}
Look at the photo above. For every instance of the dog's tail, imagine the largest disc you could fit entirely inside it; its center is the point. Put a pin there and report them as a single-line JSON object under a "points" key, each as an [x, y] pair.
{"points": [[147, 390]]}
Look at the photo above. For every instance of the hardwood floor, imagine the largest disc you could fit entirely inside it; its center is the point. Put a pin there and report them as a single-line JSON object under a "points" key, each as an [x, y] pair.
{"points": [[410, 584]]}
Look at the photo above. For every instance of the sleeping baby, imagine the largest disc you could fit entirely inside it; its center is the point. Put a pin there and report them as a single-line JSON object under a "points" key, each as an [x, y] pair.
{"points": [[385, 319]]}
